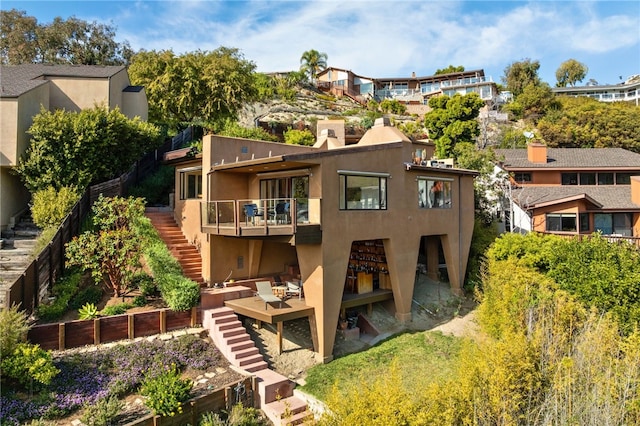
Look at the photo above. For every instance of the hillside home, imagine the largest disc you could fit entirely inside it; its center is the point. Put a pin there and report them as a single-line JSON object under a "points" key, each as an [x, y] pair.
{"points": [[353, 223], [28, 88], [413, 91], [629, 91], [573, 191]]}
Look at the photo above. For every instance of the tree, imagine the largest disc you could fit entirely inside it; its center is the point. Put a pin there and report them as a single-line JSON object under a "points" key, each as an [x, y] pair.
{"points": [[449, 70], [79, 148], [533, 102], [452, 120], [586, 123], [519, 75], [71, 41], [194, 88], [311, 62], [570, 72], [112, 253]]}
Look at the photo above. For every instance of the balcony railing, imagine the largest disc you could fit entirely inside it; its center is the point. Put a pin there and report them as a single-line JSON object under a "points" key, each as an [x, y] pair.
{"points": [[274, 216], [635, 241]]}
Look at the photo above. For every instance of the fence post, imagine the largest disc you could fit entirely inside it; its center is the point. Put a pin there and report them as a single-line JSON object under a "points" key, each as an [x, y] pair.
{"points": [[163, 321], [130, 322], [228, 398], [61, 337], [194, 316], [96, 331]]}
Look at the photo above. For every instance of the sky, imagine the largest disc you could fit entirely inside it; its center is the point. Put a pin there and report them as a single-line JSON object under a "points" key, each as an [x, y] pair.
{"points": [[379, 39]]}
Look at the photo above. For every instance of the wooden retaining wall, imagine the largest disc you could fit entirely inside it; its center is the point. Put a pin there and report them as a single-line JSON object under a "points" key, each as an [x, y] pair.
{"points": [[73, 334]]}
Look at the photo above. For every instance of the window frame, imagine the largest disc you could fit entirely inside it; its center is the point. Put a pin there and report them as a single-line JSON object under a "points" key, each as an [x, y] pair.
{"points": [[185, 190], [425, 186], [561, 216], [345, 191]]}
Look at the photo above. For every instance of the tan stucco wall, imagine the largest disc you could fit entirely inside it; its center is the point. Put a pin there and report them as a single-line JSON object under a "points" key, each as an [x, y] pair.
{"points": [[75, 94], [13, 195], [539, 222], [8, 132], [323, 266], [134, 104]]}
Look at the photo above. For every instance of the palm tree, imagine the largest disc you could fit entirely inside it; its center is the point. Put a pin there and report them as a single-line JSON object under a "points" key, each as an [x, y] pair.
{"points": [[313, 61]]}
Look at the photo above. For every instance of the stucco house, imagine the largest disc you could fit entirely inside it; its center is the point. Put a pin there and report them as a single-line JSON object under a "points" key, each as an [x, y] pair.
{"points": [[572, 191], [353, 223], [28, 88], [627, 91]]}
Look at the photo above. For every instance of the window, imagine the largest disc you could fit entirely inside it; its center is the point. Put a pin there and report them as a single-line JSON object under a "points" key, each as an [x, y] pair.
{"points": [[434, 193], [587, 178], [605, 178], [191, 183], [522, 177], [363, 191], [584, 222], [561, 222], [569, 178], [624, 178], [613, 223]]}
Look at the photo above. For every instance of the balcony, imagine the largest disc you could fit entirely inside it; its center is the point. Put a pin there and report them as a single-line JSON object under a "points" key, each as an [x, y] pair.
{"points": [[261, 217]]}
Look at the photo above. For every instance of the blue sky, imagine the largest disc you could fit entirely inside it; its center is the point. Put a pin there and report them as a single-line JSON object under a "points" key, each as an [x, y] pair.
{"points": [[379, 38]]}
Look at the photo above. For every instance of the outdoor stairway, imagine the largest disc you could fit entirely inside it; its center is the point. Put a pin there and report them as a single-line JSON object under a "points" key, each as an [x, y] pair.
{"points": [[187, 254], [275, 390]]}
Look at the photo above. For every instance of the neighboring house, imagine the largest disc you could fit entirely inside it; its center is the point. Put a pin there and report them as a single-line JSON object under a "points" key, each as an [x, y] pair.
{"points": [[629, 91], [354, 221], [573, 191], [413, 90], [28, 88]]}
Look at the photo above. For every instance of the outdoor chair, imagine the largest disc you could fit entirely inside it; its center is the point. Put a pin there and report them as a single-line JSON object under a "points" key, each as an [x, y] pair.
{"points": [[250, 213], [282, 212], [294, 289], [266, 294]]}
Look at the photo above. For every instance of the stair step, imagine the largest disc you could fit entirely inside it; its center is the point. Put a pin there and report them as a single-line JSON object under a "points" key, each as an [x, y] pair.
{"points": [[226, 319], [273, 386], [227, 325], [241, 345], [255, 367], [232, 332], [239, 338], [243, 353], [290, 405], [252, 359]]}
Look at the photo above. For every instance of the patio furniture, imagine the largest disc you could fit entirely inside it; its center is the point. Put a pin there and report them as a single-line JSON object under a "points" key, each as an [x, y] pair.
{"points": [[251, 212], [282, 212], [294, 289], [266, 294]]}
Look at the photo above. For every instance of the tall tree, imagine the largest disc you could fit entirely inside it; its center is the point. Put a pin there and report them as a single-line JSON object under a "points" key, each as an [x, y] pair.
{"points": [[519, 75], [197, 87], [70, 41], [570, 72], [312, 62], [453, 120], [450, 69], [78, 148]]}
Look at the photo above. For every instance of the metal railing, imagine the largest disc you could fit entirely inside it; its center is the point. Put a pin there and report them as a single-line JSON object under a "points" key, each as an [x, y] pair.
{"points": [[229, 216]]}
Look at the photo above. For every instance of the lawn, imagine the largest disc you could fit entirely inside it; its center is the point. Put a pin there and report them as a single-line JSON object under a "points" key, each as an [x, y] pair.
{"points": [[422, 358]]}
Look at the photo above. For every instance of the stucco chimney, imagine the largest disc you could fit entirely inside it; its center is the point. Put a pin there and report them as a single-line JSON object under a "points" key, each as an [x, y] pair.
{"points": [[635, 190], [413, 74], [382, 122], [336, 125], [537, 153]]}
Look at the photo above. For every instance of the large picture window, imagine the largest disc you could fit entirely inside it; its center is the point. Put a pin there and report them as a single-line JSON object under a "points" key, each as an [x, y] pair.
{"points": [[191, 183], [363, 191], [561, 222], [613, 223], [434, 193]]}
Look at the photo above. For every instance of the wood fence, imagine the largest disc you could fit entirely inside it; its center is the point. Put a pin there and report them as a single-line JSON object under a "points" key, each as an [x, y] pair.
{"points": [[242, 391], [40, 275], [73, 334]]}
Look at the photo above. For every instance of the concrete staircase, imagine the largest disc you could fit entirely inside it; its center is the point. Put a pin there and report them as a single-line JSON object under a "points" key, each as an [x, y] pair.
{"points": [[275, 391], [187, 254]]}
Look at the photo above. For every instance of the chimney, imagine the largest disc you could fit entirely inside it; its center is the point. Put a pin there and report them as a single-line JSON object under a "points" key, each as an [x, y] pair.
{"points": [[382, 122], [635, 190], [537, 153], [413, 74]]}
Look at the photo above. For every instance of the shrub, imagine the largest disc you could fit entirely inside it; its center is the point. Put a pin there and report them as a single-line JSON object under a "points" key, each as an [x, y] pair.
{"points": [[13, 329], [166, 392], [299, 137], [179, 293], [155, 188], [29, 363], [88, 311], [49, 207], [144, 282], [89, 294], [102, 412], [63, 291], [139, 301], [117, 309]]}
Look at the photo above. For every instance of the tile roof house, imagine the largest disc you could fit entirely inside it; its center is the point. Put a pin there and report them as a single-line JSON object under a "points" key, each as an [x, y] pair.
{"points": [[25, 89], [353, 222], [573, 190]]}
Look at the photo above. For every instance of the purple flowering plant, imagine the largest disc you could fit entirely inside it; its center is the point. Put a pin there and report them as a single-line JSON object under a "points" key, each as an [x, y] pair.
{"points": [[87, 377]]}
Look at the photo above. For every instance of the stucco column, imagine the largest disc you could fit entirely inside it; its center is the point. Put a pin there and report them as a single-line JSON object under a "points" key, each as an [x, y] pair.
{"points": [[431, 249], [451, 249], [402, 258]]}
